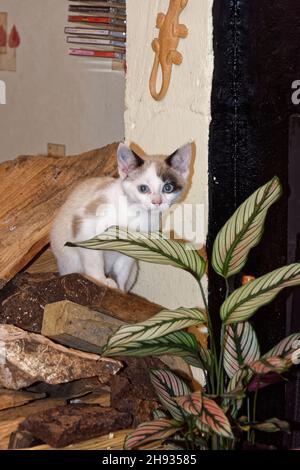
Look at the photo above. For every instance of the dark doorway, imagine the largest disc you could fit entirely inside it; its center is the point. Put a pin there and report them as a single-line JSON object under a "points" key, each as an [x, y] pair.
{"points": [[257, 59]]}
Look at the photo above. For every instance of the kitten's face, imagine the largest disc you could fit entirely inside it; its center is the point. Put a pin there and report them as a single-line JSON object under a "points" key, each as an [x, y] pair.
{"points": [[154, 182]]}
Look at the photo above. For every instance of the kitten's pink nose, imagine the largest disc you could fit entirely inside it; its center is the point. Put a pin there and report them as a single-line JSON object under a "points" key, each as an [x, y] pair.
{"points": [[156, 200]]}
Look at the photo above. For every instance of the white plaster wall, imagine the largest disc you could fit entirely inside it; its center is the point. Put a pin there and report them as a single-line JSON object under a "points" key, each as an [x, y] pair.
{"points": [[161, 127], [54, 97]]}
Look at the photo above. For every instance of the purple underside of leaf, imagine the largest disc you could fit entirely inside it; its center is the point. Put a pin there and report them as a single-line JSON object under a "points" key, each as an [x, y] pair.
{"points": [[259, 381]]}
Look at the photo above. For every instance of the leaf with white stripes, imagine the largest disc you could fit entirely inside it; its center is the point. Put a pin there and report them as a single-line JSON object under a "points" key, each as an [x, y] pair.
{"points": [[162, 324], [246, 300], [214, 417], [243, 230], [151, 431], [285, 347], [241, 347], [168, 386], [149, 247], [192, 403], [179, 343]]}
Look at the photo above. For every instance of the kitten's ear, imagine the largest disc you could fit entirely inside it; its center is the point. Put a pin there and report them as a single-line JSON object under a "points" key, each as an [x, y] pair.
{"points": [[128, 161], [180, 160]]}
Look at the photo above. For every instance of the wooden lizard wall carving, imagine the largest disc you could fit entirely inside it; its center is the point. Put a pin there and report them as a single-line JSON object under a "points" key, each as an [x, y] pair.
{"points": [[165, 47]]}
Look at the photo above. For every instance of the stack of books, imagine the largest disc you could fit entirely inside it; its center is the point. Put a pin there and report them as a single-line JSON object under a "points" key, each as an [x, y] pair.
{"points": [[98, 29]]}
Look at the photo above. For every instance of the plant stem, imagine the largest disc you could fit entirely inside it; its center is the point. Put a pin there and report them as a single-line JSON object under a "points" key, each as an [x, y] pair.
{"points": [[255, 404], [227, 288], [220, 383], [211, 335], [254, 412], [222, 339], [249, 419]]}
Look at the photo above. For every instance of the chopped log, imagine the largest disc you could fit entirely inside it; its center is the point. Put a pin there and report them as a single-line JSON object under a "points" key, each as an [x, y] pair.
{"points": [[77, 326], [12, 399], [69, 424], [23, 300], [75, 389], [27, 358], [32, 189], [11, 418]]}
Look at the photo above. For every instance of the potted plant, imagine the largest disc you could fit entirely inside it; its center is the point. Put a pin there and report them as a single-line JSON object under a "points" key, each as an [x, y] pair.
{"points": [[212, 417]]}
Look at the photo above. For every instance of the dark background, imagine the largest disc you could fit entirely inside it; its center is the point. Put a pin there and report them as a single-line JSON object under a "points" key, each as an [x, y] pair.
{"points": [[257, 58]]}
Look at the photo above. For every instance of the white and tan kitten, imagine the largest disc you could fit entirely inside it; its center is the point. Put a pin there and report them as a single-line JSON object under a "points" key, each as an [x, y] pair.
{"points": [[145, 188]]}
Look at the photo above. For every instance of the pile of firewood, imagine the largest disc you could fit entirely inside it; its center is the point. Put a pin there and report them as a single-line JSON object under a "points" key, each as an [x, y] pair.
{"points": [[55, 389]]}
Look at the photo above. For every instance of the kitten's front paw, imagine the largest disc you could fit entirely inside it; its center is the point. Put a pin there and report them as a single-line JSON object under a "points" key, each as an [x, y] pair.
{"points": [[111, 283]]}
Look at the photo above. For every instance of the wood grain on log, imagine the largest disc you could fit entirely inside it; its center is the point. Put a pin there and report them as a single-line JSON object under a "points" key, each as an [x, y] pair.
{"points": [[22, 412], [26, 358], [78, 327], [12, 399], [32, 189], [113, 441], [25, 297], [44, 262]]}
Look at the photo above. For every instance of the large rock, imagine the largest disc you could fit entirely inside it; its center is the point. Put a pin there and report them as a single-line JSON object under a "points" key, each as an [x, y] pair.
{"points": [[26, 358], [77, 326]]}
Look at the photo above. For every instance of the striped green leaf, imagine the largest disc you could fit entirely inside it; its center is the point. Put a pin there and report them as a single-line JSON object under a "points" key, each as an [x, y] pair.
{"points": [[168, 386], [240, 380], [151, 431], [162, 324], [285, 347], [246, 300], [243, 230], [152, 248], [179, 344], [214, 418], [158, 413], [192, 403], [241, 347]]}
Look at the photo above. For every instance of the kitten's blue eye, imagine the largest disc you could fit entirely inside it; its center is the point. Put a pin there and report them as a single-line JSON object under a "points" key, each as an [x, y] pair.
{"points": [[168, 188], [143, 188]]}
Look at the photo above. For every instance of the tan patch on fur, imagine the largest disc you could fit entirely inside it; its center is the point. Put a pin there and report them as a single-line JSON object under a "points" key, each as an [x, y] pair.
{"points": [[92, 207], [168, 174], [76, 224]]}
